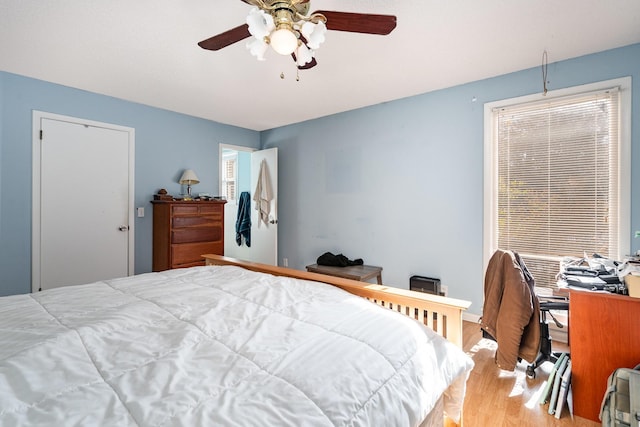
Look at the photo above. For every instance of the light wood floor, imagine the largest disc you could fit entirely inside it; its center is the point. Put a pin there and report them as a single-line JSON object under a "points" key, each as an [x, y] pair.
{"points": [[501, 398]]}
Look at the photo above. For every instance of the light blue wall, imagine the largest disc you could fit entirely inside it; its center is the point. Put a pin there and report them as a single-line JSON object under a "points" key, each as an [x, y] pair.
{"points": [[401, 184], [166, 144], [397, 184]]}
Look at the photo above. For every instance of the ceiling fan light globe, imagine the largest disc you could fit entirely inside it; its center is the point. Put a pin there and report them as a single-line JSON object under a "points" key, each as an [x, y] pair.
{"points": [[260, 23], [314, 33], [257, 47], [283, 41], [304, 55]]}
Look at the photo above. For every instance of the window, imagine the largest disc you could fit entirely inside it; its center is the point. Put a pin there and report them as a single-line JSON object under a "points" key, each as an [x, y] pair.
{"points": [[229, 175], [558, 181]]}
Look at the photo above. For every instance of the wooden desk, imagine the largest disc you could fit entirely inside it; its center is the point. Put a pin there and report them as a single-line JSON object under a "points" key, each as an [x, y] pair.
{"points": [[604, 335], [353, 272]]}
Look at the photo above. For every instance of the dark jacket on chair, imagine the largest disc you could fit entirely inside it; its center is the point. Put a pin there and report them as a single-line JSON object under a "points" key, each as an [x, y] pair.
{"points": [[511, 311]]}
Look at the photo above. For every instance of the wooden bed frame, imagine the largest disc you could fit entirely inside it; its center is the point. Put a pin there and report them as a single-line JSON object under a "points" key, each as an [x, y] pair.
{"points": [[442, 314]]}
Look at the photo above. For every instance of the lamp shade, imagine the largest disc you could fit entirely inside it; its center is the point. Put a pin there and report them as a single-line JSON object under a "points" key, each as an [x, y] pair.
{"points": [[314, 33], [260, 23], [304, 55], [189, 177], [258, 48]]}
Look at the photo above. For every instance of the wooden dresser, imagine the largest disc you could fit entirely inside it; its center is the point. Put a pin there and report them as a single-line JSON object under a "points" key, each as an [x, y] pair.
{"points": [[604, 335], [184, 231]]}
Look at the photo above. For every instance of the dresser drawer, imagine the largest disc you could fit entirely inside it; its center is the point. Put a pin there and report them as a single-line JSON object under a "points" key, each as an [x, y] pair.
{"points": [[191, 264], [197, 209], [211, 209], [195, 221], [184, 210], [197, 234], [187, 253]]}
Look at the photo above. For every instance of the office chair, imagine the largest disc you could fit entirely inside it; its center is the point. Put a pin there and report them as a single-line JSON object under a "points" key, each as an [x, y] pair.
{"points": [[545, 354], [508, 275]]}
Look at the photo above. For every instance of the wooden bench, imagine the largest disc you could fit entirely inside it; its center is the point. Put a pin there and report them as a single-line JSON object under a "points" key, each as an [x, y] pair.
{"points": [[361, 273]]}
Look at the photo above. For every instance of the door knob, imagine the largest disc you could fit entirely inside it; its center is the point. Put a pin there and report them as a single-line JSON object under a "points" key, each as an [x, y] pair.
{"points": [[273, 221], [123, 228]]}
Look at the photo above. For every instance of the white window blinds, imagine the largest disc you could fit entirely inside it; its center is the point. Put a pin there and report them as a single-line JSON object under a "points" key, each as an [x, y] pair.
{"points": [[229, 177], [557, 177]]}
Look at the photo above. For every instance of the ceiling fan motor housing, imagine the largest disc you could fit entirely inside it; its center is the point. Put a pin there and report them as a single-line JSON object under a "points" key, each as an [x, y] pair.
{"points": [[292, 6], [283, 18]]}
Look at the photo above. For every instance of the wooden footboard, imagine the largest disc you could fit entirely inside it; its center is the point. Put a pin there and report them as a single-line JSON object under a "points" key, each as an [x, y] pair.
{"points": [[442, 314]]}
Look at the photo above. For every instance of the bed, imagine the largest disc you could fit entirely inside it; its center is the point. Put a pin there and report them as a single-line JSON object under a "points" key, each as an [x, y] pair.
{"points": [[229, 344]]}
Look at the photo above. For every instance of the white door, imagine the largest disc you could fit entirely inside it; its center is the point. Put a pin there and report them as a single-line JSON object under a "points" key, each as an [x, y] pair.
{"points": [[264, 238], [82, 199]]}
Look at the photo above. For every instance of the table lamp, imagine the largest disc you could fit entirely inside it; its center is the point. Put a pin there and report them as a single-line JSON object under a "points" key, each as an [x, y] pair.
{"points": [[189, 177]]}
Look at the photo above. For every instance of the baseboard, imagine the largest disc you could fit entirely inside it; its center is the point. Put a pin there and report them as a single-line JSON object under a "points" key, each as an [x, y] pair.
{"points": [[470, 317]]}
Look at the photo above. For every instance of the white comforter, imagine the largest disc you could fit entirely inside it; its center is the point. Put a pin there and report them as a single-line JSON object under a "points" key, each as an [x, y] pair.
{"points": [[217, 346]]}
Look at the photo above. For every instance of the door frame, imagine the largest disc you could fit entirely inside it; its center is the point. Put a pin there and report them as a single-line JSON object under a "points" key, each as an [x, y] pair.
{"points": [[36, 156], [230, 231]]}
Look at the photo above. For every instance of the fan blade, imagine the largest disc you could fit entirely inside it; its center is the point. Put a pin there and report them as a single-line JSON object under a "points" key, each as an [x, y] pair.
{"points": [[306, 66], [365, 23], [227, 38]]}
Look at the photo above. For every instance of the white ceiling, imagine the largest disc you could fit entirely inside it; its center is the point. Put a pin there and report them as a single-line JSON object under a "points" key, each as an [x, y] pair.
{"points": [[146, 51]]}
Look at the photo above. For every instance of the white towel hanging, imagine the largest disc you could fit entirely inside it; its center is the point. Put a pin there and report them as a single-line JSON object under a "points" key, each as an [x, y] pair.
{"points": [[263, 194]]}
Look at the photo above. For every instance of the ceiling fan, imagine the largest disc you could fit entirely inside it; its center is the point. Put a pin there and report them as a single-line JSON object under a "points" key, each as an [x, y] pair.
{"points": [[289, 28]]}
